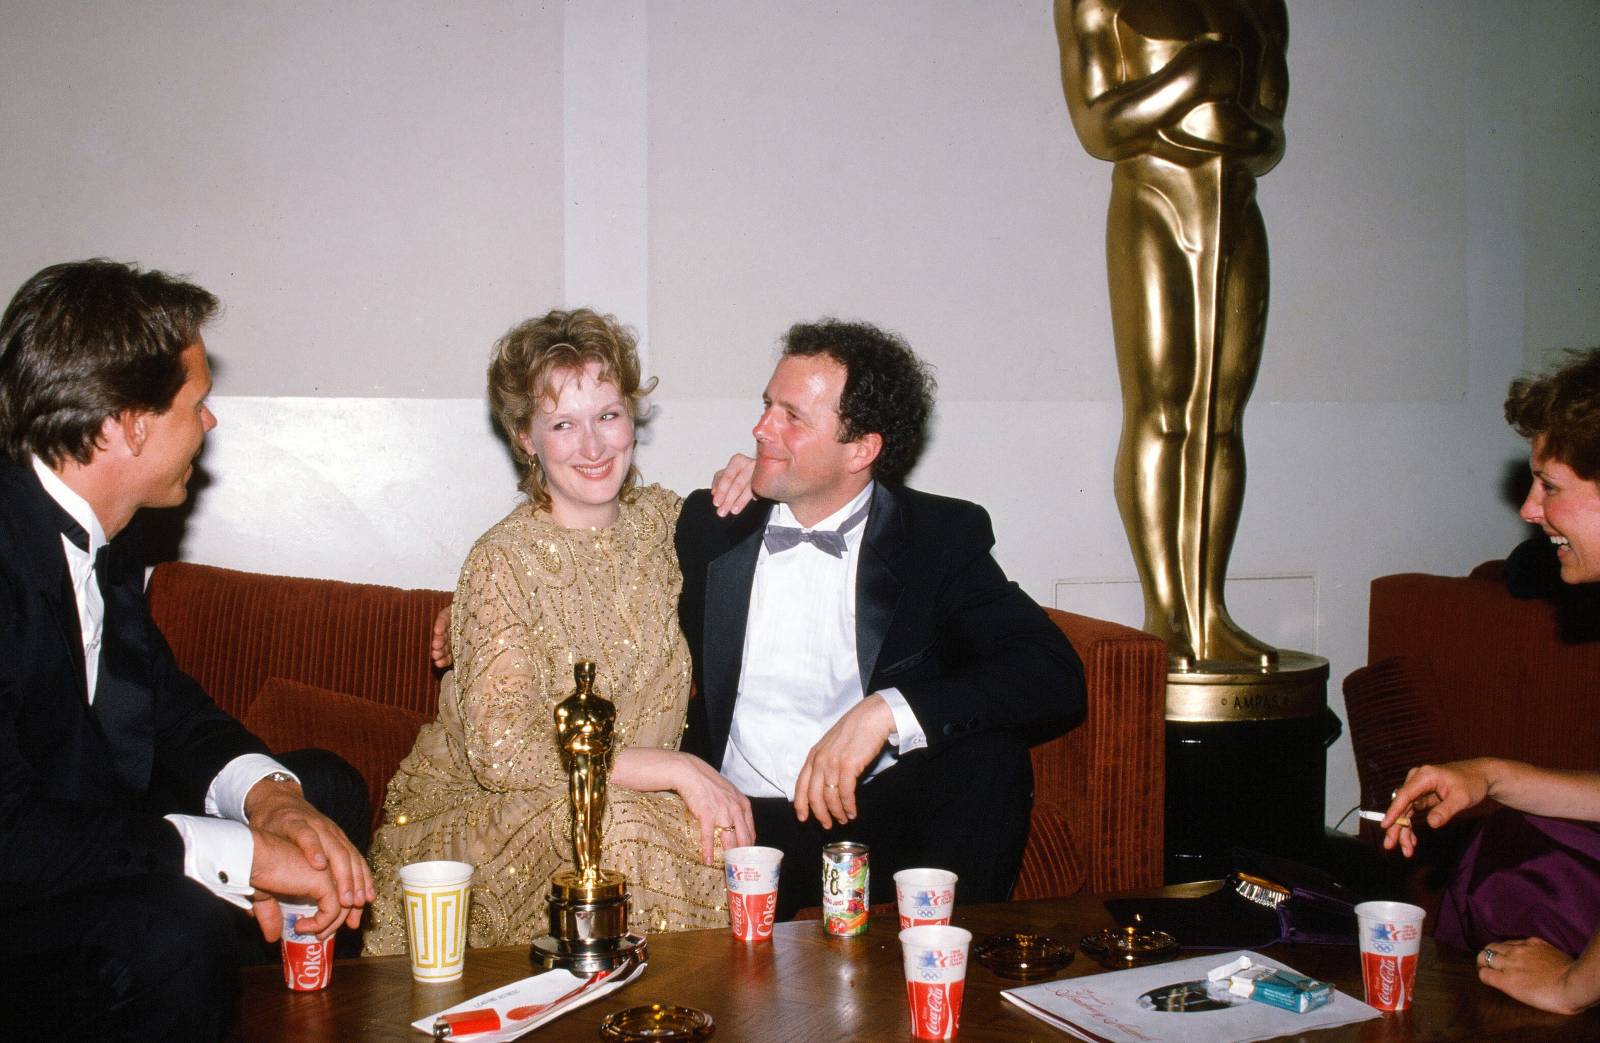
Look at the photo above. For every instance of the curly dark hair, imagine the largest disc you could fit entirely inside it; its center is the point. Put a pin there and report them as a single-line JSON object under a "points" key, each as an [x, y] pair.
{"points": [[85, 340], [1562, 407], [888, 391]]}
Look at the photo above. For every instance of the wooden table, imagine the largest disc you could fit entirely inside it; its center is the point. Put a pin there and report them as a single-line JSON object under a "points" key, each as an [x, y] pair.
{"points": [[805, 986]]}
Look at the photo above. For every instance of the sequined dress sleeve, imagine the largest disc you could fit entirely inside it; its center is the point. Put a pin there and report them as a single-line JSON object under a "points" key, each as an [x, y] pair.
{"points": [[484, 782]]}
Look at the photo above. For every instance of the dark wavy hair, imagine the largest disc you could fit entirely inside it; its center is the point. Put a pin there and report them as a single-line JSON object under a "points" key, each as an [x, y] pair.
{"points": [[522, 375], [87, 340], [1562, 407], [888, 391]]}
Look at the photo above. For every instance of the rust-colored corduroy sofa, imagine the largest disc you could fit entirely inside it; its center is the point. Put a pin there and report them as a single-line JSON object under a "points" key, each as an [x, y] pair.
{"points": [[1457, 667], [345, 666]]}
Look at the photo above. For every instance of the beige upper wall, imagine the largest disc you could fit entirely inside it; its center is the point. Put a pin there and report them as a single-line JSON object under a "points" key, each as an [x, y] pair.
{"points": [[373, 188], [912, 162], [376, 189]]}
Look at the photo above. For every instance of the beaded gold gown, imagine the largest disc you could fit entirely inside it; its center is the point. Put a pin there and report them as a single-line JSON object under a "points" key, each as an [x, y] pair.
{"points": [[484, 783]]}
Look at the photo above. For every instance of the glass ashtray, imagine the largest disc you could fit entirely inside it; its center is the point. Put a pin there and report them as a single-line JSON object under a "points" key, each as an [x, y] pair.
{"points": [[1023, 957], [1129, 946], [656, 1021]]}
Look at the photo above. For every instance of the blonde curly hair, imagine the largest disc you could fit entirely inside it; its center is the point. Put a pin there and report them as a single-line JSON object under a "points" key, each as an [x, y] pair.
{"points": [[525, 362]]}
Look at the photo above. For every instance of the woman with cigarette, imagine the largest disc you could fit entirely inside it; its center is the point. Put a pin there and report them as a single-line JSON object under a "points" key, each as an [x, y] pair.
{"points": [[1538, 949]]}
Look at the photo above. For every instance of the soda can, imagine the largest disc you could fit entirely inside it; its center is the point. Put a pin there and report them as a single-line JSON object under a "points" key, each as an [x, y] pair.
{"points": [[844, 889]]}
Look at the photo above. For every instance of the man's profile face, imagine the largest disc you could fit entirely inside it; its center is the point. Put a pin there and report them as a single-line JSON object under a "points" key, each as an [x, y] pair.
{"points": [[172, 439], [799, 458]]}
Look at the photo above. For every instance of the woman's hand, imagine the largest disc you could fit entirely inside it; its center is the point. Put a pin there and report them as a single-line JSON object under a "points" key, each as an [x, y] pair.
{"points": [[1442, 790], [730, 487], [1537, 973], [717, 808]]}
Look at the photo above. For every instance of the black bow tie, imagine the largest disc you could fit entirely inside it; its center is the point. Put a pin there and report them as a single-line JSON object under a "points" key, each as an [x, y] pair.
{"points": [[70, 528], [779, 538]]}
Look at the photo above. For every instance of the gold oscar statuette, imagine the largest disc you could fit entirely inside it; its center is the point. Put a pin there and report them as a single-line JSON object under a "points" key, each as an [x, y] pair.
{"points": [[589, 903]]}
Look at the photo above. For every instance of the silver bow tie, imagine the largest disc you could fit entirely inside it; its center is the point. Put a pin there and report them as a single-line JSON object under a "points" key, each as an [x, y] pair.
{"points": [[779, 538]]}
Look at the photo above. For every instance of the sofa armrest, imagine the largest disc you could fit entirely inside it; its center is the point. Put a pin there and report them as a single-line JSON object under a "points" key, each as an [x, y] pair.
{"points": [[1051, 866], [1107, 777]]}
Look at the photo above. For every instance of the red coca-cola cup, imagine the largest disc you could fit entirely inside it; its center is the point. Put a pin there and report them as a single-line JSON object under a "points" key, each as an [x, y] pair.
{"points": [[1390, 934], [935, 959], [752, 876], [307, 962]]}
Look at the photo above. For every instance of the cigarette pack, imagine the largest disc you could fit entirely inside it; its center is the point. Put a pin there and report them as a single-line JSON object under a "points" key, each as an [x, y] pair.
{"points": [[1278, 988]]}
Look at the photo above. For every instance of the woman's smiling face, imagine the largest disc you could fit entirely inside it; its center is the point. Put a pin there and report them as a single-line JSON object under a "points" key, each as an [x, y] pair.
{"points": [[1567, 508], [584, 443]]}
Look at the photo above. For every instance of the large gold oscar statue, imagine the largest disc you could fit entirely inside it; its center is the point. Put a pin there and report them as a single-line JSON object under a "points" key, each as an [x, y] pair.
{"points": [[588, 904], [1186, 97]]}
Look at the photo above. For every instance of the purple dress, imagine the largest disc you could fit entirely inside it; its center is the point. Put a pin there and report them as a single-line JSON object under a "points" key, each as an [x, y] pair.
{"points": [[1525, 876]]}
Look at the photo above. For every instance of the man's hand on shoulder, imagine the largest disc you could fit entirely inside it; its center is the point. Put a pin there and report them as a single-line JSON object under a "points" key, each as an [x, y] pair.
{"points": [[300, 852], [826, 787]]}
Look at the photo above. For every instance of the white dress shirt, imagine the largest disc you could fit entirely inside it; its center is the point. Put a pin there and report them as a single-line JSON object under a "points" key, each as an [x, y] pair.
{"points": [[800, 672], [218, 849]]}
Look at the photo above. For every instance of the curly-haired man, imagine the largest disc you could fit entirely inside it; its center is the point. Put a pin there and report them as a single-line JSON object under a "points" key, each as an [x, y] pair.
{"points": [[866, 671]]}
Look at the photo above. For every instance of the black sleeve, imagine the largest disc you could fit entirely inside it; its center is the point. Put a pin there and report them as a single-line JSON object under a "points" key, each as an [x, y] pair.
{"points": [[999, 661]]}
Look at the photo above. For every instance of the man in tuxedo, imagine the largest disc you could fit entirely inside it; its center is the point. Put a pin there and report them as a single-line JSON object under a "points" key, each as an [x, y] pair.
{"points": [[135, 815], [865, 670]]}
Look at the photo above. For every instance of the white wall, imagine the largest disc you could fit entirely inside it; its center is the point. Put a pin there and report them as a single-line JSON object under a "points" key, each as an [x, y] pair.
{"points": [[378, 189]]}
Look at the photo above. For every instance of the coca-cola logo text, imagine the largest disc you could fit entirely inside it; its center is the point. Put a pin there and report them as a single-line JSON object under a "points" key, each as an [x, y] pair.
{"points": [[310, 976]]}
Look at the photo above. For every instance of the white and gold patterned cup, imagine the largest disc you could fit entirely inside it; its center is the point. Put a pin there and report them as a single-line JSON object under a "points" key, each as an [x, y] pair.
{"points": [[436, 896]]}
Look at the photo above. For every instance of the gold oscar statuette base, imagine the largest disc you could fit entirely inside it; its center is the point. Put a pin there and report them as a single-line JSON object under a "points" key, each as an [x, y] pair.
{"points": [[1296, 686], [588, 925]]}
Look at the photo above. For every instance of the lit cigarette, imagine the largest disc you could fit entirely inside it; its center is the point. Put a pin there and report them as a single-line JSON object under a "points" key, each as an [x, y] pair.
{"points": [[1377, 816]]}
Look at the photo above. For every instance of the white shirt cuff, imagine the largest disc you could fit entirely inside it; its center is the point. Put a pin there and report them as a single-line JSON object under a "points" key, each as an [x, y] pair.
{"points": [[218, 855], [225, 796], [908, 734]]}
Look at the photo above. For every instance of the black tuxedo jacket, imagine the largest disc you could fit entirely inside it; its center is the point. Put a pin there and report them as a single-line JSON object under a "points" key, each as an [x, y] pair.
{"points": [[935, 618], [83, 788]]}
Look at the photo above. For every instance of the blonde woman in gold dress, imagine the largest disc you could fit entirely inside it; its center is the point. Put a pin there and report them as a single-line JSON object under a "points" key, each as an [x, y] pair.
{"points": [[584, 569]]}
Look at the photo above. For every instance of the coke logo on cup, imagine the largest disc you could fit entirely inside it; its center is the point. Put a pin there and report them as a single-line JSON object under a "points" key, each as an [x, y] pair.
{"points": [[1388, 979], [753, 915], [310, 975], [935, 1021]]}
